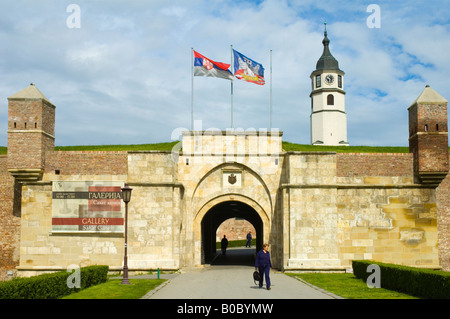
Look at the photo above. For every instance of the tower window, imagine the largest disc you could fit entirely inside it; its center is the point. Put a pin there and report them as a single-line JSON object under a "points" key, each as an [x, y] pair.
{"points": [[340, 81], [15, 125], [35, 125], [330, 99], [25, 124], [426, 127], [437, 127], [318, 81]]}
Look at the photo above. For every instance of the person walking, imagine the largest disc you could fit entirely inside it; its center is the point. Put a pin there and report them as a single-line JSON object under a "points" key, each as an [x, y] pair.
{"points": [[263, 265], [249, 239], [224, 245]]}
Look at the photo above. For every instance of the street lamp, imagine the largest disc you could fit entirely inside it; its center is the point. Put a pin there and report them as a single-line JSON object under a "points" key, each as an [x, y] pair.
{"points": [[126, 197]]}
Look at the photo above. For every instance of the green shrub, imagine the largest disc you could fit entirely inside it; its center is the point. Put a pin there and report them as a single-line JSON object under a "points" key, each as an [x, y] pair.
{"points": [[424, 283], [51, 286]]}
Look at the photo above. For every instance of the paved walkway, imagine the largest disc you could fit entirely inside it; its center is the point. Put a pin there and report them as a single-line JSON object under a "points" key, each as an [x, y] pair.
{"points": [[223, 281]]}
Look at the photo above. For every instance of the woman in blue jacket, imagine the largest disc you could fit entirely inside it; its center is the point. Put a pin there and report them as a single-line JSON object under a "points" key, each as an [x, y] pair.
{"points": [[263, 264]]}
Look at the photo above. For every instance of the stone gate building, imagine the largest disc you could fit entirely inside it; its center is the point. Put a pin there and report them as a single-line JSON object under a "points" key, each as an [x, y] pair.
{"points": [[317, 210]]}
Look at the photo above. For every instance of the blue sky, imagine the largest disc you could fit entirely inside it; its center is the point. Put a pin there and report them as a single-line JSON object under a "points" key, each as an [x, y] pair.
{"points": [[124, 76]]}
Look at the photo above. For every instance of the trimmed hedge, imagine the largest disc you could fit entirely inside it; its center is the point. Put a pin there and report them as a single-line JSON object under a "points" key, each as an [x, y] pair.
{"points": [[420, 282], [51, 286]]}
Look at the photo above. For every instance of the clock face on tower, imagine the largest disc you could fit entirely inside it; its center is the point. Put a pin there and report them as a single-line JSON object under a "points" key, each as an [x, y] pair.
{"points": [[329, 79]]}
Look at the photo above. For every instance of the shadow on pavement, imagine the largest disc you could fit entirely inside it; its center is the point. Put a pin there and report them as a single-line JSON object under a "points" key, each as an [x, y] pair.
{"points": [[241, 256]]}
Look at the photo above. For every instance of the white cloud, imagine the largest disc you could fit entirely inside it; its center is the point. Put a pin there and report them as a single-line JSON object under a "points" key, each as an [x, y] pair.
{"points": [[125, 75]]}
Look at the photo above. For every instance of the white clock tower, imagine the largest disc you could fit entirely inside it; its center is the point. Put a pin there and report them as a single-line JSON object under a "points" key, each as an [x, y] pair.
{"points": [[328, 117]]}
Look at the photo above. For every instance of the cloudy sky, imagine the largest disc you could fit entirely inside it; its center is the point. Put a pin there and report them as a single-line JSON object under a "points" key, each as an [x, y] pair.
{"points": [[121, 73]]}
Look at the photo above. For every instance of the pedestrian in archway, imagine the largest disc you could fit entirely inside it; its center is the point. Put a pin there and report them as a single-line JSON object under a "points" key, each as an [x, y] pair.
{"points": [[224, 245], [263, 265], [249, 239]]}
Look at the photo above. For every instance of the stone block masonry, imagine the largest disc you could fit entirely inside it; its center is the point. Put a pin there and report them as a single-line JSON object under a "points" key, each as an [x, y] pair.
{"points": [[31, 129], [428, 137], [443, 222], [86, 163], [60, 165], [235, 229], [374, 164], [9, 224], [378, 168]]}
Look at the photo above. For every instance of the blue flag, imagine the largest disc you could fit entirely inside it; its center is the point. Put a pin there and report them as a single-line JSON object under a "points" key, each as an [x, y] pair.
{"points": [[248, 70]]}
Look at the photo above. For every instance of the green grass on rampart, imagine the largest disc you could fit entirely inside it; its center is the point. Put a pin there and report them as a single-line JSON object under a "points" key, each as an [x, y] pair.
{"points": [[133, 147], [287, 146]]}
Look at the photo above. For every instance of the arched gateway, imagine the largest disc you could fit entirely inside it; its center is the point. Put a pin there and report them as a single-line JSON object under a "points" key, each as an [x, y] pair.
{"points": [[226, 176], [220, 209]]}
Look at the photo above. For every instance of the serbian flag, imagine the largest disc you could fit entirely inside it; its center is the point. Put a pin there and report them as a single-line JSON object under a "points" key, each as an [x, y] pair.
{"points": [[207, 67], [248, 70]]}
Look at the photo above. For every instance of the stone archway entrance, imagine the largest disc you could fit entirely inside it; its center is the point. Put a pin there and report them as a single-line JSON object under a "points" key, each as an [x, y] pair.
{"points": [[218, 214], [219, 209]]}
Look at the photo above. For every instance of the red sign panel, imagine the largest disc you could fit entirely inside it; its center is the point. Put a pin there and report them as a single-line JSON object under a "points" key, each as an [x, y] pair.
{"points": [[104, 199], [87, 207]]}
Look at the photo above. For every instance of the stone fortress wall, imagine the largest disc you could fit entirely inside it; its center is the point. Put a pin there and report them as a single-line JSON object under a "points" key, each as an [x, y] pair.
{"points": [[317, 210]]}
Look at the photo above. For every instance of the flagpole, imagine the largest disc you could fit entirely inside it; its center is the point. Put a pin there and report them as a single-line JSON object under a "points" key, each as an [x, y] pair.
{"points": [[270, 89], [232, 125], [192, 89]]}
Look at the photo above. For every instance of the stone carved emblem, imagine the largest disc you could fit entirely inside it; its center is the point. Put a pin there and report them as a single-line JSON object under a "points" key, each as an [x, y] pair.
{"points": [[232, 179]]}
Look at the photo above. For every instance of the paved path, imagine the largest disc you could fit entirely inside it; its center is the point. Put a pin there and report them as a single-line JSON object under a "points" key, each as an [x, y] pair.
{"points": [[222, 281]]}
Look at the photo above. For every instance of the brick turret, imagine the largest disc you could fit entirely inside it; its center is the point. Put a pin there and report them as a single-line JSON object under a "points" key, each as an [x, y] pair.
{"points": [[428, 137], [31, 132]]}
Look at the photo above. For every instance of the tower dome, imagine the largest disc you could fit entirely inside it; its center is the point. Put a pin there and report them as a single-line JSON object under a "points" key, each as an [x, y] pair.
{"points": [[327, 60]]}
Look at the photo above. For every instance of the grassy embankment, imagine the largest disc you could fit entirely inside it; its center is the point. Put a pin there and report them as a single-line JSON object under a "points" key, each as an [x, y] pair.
{"points": [[287, 146]]}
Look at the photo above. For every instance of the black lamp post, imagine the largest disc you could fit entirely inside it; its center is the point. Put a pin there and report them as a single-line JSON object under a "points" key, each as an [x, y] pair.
{"points": [[126, 196]]}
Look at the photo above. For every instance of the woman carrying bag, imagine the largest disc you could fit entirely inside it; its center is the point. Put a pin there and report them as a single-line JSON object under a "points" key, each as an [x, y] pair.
{"points": [[263, 264]]}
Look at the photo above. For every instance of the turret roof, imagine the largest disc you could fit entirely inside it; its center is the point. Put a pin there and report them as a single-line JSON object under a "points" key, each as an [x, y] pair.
{"points": [[30, 92], [430, 96]]}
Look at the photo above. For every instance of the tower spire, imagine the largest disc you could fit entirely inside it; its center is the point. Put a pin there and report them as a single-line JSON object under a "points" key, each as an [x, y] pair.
{"points": [[327, 60]]}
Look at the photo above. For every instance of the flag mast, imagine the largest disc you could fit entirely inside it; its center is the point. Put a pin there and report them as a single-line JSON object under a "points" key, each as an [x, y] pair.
{"points": [[232, 125], [270, 89], [192, 89]]}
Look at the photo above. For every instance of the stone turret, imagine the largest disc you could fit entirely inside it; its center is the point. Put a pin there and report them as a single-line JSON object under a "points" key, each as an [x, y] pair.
{"points": [[428, 137], [31, 132]]}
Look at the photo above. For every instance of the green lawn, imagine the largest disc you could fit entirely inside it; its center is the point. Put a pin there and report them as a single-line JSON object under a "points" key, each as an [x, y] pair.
{"points": [[113, 289], [348, 286], [344, 285]]}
